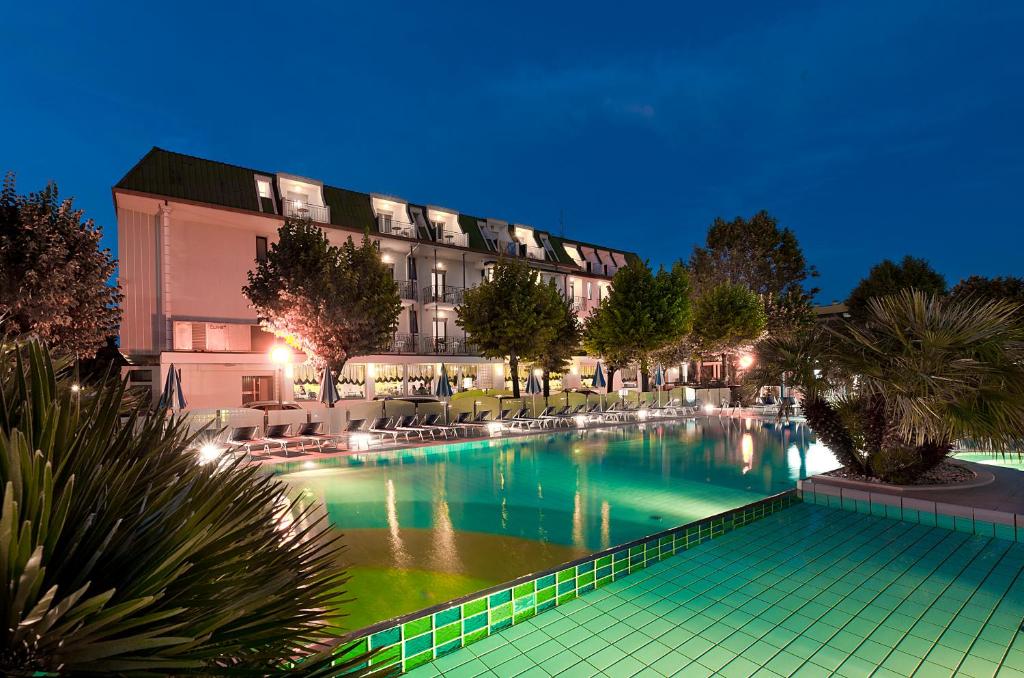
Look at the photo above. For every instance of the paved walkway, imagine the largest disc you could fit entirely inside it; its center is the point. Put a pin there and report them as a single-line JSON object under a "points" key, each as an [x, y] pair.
{"points": [[810, 591]]}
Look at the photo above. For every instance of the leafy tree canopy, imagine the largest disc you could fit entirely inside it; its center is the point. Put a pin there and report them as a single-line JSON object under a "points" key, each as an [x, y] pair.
{"points": [[54, 278], [1008, 287], [333, 302], [511, 316], [555, 355], [643, 312], [726, 317], [764, 258], [889, 277]]}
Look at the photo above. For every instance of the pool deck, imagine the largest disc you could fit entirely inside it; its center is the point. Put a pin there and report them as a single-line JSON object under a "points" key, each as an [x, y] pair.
{"points": [[1003, 489], [292, 455], [809, 591]]}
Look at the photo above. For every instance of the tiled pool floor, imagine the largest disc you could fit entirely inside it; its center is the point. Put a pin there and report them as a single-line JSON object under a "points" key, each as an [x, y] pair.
{"points": [[809, 591]]}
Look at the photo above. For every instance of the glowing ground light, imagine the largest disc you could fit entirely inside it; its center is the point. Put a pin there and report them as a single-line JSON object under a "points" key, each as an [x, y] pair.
{"points": [[746, 360], [209, 452], [709, 408]]}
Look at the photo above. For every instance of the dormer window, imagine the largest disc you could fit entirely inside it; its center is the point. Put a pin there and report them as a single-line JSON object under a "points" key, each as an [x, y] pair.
{"points": [[263, 187]]}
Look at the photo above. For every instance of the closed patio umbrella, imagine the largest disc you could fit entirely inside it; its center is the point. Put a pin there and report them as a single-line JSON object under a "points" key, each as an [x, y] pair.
{"points": [[659, 381], [328, 389], [600, 383], [443, 389], [172, 397], [533, 387]]}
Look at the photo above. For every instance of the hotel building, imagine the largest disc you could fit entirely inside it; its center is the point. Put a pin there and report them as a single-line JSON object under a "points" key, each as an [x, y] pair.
{"points": [[190, 229]]}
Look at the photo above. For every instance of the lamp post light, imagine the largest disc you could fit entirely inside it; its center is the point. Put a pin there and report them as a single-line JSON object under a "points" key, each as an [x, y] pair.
{"points": [[280, 356]]}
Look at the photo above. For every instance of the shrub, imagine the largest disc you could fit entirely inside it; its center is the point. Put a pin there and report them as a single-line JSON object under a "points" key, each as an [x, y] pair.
{"points": [[121, 553]]}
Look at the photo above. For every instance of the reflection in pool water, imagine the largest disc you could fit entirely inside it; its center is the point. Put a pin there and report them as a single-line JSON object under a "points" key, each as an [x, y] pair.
{"points": [[423, 526]]}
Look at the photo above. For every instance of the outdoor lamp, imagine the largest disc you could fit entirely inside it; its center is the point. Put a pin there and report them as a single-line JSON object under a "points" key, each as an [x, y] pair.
{"points": [[746, 360]]}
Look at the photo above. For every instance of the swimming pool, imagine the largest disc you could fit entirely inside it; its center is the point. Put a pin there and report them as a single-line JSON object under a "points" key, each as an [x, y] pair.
{"points": [[427, 525]]}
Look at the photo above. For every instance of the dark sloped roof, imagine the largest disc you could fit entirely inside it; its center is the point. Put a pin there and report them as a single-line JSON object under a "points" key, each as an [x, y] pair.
{"points": [[183, 176], [176, 175], [350, 209]]}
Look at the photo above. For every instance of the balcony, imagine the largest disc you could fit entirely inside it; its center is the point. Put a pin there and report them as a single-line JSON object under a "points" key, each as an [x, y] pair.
{"points": [[402, 343], [389, 226], [446, 346], [579, 304], [303, 210], [406, 289], [455, 238], [599, 268], [436, 294], [415, 344], [534, 252]]}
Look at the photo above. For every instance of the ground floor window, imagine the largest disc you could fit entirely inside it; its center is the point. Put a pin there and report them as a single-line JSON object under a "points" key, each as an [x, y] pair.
{"points": [[257, 388]]}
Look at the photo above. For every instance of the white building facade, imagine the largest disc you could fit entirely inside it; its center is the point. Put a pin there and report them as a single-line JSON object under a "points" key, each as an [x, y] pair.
{"points": [[190, 229]]}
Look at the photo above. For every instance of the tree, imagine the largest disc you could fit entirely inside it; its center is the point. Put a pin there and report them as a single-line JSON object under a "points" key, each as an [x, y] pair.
{"points": [[725, 318], [1008, 287], [889, 277], [333, 302], [565, 340], [123, 553], [892, 392], [643, 312], [764, 258], [54, 278], [509, 316]]}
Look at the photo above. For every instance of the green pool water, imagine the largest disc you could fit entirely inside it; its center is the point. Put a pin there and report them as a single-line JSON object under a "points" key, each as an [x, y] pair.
{"points": [[427, 525]]}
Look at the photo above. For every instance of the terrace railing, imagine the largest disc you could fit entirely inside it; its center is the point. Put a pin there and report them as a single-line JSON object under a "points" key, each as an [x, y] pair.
{"points": [[449, 237], [389, 226], [403, 343], [302, 210], [447, 346], [407, 289], [437, 294]]}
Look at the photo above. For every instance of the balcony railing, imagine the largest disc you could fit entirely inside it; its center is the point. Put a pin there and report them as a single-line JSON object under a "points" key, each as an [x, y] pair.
{"points": [[415, 344], [436, 294], [301, 210], [403, 343], [406, 289], [456, 238], [534, 252], [389, 226], [578, 303], [446, 346]]}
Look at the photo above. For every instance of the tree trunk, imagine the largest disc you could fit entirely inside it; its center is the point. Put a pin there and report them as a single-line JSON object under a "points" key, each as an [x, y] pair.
{"points": [[513, 366], [611, 378], [699, 372], [824, 420], [725, 369], [645, 383], [547, 385]]}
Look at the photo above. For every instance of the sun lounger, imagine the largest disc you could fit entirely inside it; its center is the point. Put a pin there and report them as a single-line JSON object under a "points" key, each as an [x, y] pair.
{"points": [[482, 420], [521, 420], [384, 426], [310, 431], [280, 435], [431, 422], [410, 424], [246, 437]]}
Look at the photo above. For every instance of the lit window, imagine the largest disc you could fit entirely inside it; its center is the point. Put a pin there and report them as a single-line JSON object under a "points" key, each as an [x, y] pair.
{"points": [[263, 187], [590, 290]]}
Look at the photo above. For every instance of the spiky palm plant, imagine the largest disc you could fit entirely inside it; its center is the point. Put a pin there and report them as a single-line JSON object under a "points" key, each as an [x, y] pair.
{"points": [[121, 554], [917, 374]]}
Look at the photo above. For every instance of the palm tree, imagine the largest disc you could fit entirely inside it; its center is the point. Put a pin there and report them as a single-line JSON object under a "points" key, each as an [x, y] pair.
{"points": [[893, 392], [121, 553]]}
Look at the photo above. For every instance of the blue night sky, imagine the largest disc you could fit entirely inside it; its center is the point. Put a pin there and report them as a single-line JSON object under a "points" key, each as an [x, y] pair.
{"points": [[873, 129]]}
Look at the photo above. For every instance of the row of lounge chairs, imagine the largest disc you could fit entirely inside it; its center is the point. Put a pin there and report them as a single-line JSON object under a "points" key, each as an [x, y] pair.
{"points": [[281, 440]]}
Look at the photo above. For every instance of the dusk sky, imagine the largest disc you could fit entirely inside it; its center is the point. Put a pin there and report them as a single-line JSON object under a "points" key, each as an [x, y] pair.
{"points": [[872, 129]]}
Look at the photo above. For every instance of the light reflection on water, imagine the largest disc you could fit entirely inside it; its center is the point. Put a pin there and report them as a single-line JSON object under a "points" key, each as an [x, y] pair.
{"points": [[494, 510]]}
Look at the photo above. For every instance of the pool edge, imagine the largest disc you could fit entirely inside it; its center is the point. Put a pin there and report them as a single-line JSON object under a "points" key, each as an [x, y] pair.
{"points": [[410, 640]]}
